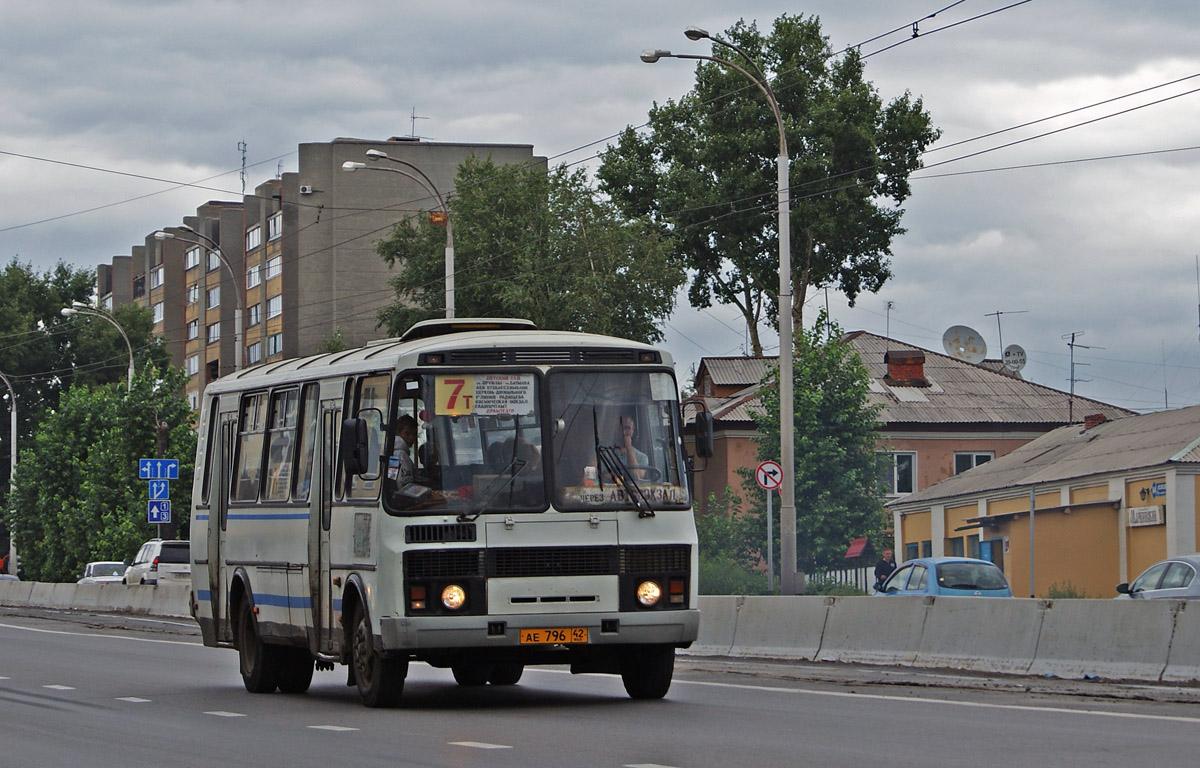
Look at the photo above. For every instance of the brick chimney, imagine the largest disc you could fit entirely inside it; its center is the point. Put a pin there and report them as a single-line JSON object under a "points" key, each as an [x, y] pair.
{"points": [[905, 368], [1093, 420]]}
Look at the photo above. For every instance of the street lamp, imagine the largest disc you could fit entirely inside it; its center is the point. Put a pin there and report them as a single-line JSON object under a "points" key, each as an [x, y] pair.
{"points": [[211, 246], [12, 467], [427, 183], [79, 308], [787, 447]]}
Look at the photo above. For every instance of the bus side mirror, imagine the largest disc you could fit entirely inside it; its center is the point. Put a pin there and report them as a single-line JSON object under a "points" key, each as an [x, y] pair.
{"points": [[355, 446], [704, 434]]}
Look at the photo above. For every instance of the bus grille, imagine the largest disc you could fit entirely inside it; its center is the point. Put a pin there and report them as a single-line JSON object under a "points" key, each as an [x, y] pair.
{"points": [[553, 561], [656, 558], [443, 563], [526, 562], [439, 533]]}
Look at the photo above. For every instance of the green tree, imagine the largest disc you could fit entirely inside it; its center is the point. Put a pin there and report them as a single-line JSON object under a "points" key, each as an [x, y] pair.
{"points": [[706, 171], [729, 548], [76, 495], [534, 245], [838, 497]]}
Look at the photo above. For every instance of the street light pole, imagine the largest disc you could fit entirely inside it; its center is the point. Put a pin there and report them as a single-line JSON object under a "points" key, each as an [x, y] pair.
{"points": [[12, 467], [79, 308], [787, 445], [211, 246], [426, 182]]}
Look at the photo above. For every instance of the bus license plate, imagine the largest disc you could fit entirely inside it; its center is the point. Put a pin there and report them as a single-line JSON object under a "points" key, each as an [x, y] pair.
{"points": [[554, 635]]}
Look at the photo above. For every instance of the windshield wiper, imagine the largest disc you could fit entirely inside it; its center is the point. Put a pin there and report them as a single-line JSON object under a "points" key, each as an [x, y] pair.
{"points": [[502, 478], [612, 461]]}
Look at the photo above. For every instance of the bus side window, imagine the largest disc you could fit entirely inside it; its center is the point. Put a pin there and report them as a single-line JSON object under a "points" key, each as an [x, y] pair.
{"points": [[371, 405], [308, 442], [248, 463]]}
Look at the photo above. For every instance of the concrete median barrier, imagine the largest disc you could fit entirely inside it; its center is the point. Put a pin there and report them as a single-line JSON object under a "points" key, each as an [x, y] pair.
{"points": [[981, 634], [718, 622], [1112, 639], [1183, 660], [15, 594], [780, 627], [171, 600], [874, 630]]}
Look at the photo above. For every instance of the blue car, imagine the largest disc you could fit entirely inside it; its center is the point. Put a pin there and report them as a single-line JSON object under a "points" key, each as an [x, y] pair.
{"points": [[947, 577]]}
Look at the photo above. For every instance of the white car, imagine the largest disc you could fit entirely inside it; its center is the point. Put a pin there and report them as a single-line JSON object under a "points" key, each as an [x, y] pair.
{"points": [[159, 562], [103, 572]]}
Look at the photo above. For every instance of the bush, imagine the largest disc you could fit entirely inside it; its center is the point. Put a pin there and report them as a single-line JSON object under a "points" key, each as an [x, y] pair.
{"points": [[725, 576], [1066, 591], [825, 585]]}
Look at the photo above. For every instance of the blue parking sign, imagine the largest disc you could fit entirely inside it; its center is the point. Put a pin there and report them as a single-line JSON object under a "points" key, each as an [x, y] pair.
{"points": [[158, 512]]}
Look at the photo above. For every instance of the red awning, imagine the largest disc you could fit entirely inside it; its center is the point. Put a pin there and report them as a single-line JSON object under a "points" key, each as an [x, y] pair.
{"points": [[856, 547]]}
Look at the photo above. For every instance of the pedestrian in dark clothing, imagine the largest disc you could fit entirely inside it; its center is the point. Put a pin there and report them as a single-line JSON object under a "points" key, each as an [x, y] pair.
{"points": [[884, 568]]}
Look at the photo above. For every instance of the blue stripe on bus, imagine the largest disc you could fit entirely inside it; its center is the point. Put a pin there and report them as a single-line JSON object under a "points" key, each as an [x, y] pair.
{"points": [[268, 516], [200, 517], [280, 601]]}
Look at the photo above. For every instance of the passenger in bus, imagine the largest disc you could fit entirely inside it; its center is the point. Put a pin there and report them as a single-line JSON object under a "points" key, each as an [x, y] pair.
{"points": [[400, 463]]}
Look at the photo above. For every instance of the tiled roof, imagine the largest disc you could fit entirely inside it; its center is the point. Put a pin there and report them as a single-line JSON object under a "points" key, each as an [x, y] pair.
{"points": [[958, 392], [1133, 442]]}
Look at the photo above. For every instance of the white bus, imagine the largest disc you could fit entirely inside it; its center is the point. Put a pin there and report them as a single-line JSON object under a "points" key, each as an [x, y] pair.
{"points": [[542, 516]]}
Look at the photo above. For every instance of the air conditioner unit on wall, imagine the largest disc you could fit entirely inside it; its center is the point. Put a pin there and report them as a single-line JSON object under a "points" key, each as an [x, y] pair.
{"points": [[306, 189]]}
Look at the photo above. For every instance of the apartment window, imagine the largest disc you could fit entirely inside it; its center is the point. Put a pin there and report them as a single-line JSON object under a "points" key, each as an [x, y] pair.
{"points": [[274, 307], [107, 302], [274, 267], [253, 276], [274, 344], [275, 226], [213, 297], [193, 330], [158, 312], [897, 471], [254, 353], [254, 315], [253, 238], [912, 551], [193, 293], [214, 261], [954, 547], [193, 365], [194, 400], [214, 333], [967, 460], [191, 259], [926, 549], [156, 277]]}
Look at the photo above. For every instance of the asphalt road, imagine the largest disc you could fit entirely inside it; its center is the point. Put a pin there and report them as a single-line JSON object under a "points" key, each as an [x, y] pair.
{"points": [[94, 690]]}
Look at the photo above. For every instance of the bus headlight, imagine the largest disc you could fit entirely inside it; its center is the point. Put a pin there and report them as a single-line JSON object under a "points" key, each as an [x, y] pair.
{"points": [[648, 593], [454, 597]]}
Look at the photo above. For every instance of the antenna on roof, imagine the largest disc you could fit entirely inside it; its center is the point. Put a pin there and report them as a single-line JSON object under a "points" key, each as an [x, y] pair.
{"points": [[1072, 344], [999, 312]]}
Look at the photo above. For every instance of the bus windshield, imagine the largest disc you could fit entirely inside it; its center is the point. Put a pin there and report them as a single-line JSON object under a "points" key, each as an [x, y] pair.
{"points": [[465, 443], [616, 440]]}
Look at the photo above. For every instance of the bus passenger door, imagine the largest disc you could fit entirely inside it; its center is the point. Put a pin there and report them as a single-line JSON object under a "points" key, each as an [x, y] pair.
{"points": [[218, 518], [325, 473]]}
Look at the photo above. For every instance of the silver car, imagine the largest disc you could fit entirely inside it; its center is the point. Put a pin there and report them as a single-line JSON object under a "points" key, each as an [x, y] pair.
{"points": [[1173, 578], [102, 572], [158, 562]]}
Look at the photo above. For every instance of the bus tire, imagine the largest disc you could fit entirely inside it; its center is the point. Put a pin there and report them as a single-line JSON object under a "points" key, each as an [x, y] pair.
{"points": [[647, 671], [506, 674], [471, 675], [258, 661], [296, 670], [380, 679]]}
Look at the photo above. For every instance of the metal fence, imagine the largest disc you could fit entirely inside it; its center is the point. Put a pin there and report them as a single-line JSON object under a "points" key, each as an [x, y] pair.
{"points": [[862, 578]]}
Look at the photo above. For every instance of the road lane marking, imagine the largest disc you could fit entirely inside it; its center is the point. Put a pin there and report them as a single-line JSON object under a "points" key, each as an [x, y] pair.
{"points": [[133, 699], [330, 728], [647, 765], [479, 745], [219, 713], [59, 687]]}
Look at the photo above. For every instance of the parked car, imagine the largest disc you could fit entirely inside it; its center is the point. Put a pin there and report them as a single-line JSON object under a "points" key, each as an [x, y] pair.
{"points": [[947, 577], [1173, 578], [102, 572], [159, 561], [8, 577]]}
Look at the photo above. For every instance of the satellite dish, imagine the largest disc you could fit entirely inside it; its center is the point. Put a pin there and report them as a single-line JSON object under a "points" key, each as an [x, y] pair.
{"points": [[965, 343], [1014, 357]]}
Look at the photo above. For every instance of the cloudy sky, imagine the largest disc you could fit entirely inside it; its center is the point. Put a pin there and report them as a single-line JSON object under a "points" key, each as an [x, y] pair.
{"points": [[1063, 192]]}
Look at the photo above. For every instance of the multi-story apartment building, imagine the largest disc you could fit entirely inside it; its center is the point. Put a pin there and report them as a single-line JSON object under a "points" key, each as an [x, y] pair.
{"points": [[293, 265]]}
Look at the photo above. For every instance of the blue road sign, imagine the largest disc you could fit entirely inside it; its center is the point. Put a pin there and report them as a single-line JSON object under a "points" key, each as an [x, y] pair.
{"points": [[158, 512], [158, 469], [159, 489]]}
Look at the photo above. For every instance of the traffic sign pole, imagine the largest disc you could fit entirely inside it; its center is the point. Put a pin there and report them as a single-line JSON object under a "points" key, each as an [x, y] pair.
{"points": [[769, 475]]}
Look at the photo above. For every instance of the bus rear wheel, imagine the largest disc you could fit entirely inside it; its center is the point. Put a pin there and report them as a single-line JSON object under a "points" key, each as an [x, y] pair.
{"points": [[647, 671], [471, 675], [295, 670], [259, 662], [380, 679]]}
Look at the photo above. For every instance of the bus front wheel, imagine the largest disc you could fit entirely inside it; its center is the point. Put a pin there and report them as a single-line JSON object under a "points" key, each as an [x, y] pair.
{"points": [[380, 679], [647, 671]]}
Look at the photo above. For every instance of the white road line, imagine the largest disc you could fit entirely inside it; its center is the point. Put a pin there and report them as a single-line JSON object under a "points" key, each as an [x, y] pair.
{"points": [[59, 687], [219, 713], [97, 634], [479, 745], [647, 765], [330, 728], [133, 699]]}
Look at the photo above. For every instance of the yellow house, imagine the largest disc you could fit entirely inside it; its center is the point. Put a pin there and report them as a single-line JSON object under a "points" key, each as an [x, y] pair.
{"points": [[1109, 498]]}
